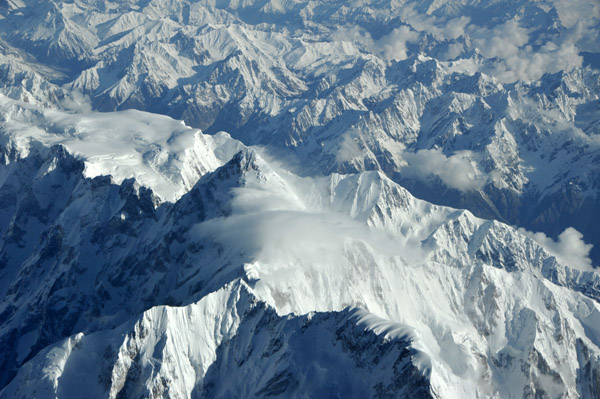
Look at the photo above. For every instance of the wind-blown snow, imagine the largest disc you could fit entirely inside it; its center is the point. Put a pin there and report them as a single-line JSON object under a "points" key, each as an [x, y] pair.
{"points": [[472, 300], [457, 171]]}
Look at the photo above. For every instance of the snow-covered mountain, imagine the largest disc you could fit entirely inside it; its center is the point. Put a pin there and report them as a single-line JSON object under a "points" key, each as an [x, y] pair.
{"points": [[489, 106], [157, 151], [105, 284], [290, 256]]}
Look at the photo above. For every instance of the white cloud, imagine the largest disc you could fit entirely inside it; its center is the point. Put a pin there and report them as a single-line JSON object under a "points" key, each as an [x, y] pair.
{"points": [[349, 149], [441, 28], [527, 65], [457, 171], [516, 59], [354, 35], [514, 55], [393, 45], [582, 18], [75, 101], [453, 51], [454, 28], [502, 41], [276, 234], [572, 12], [275, 228], [570, 248]]}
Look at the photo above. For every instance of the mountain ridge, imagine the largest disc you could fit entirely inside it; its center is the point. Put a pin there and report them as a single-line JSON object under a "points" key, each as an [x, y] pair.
{"points": [[231, 238], [299, 198], [361, 87]]}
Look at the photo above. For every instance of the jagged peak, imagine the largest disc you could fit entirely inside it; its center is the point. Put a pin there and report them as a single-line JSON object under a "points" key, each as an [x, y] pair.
{"points": [[247, 159], [235, 172]]}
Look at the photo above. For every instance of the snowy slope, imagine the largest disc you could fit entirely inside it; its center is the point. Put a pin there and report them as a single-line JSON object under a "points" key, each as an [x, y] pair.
{"points": [[159, 152], [229, 344], [480, 105], [479, 298]]}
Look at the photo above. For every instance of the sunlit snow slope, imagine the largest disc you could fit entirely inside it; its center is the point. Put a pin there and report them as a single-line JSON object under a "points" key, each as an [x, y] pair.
{"points": [[159, 152]]}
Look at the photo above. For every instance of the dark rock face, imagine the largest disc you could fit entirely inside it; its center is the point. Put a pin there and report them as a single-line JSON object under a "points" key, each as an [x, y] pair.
{"points": [[417, 90], [328, 354]]}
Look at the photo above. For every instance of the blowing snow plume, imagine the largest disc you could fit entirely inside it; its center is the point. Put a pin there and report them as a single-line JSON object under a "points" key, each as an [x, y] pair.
{"points": [[291, 231]]}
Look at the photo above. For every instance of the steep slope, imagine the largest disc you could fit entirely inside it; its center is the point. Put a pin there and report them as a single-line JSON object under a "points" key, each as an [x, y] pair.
{"points": [[229, 334], [70, 243], [290, 256]]}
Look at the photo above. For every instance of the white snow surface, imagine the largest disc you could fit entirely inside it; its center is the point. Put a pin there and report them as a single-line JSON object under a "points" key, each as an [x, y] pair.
{"points": [[478, 104], [157, 151]]}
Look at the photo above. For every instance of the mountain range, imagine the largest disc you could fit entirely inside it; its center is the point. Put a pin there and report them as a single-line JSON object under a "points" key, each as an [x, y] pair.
{"points": [[294, 198]]}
